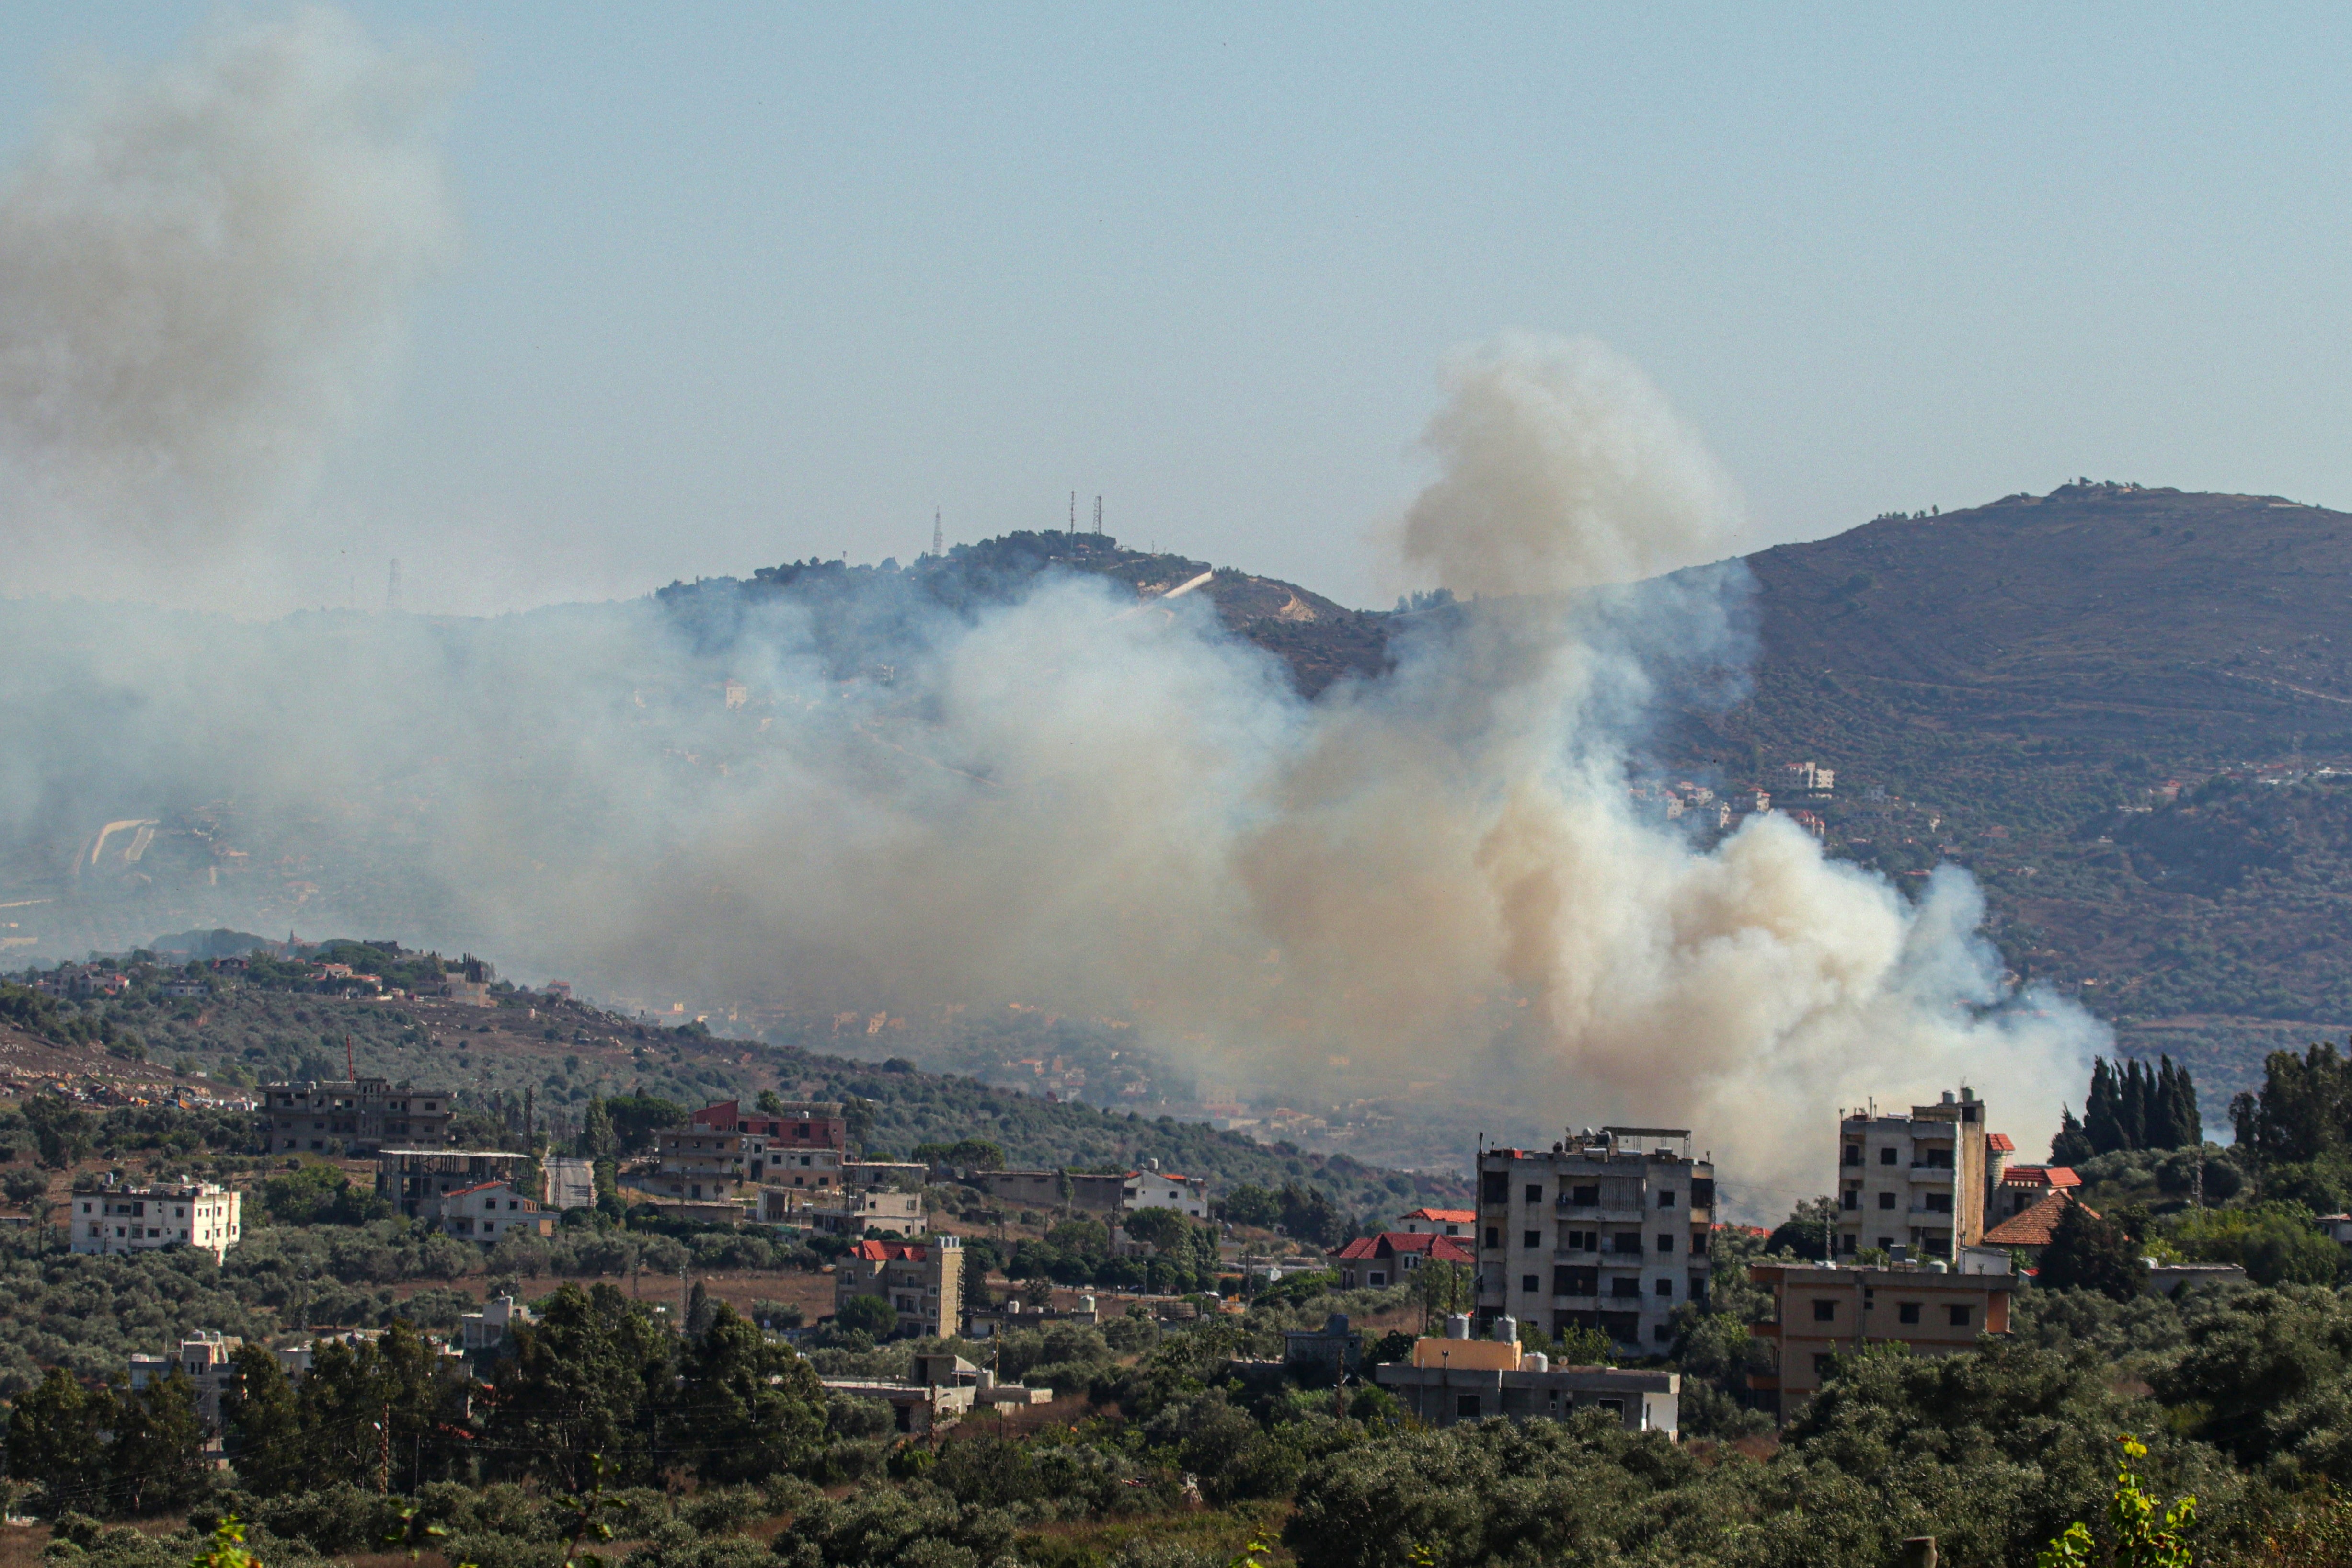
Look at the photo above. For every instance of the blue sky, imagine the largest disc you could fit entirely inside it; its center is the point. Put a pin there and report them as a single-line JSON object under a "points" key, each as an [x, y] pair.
{"points": [[744, 283]]}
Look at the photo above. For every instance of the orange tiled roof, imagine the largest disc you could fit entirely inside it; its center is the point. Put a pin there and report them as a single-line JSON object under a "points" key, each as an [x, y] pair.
{"points": [[1446, 1215], [2040, 1175], [2036, 1225]]}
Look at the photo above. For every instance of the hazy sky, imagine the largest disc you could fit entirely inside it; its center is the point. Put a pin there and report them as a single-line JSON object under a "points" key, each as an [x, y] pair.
{"points": [[748, 283]]}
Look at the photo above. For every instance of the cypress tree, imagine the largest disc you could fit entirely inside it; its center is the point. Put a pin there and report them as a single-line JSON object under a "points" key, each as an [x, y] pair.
{"points": [[2103, 1111], [2187, 1122], [2072, 1146], [2136, 1097]]}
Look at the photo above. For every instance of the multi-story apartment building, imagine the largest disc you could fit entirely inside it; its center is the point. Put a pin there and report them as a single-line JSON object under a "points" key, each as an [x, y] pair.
{"points": [[1607, 1230], [796, 1126], [1823, 1310], [1914, 1181], [493, 1210], [1152, 1189], [923, 1282], [142, 1218], [353, 1116], [698, 1162], [415, 1180]]}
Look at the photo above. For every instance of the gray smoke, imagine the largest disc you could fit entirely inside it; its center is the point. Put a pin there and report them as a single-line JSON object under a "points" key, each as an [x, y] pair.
{"points": [[1433, 877], [201, 273]]}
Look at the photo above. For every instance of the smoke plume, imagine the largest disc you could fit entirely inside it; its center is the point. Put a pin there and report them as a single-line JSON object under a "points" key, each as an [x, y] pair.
{"points": [[1434, 878], [201, 273]]}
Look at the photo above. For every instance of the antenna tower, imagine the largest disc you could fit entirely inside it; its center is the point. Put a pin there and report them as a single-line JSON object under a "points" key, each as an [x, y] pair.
{"points": [[1074, 511], [1098, 516], [392, 586], [939, 543]]}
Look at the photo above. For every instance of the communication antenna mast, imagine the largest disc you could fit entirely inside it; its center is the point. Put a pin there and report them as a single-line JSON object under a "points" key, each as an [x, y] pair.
{"points": [[1074, 511], [938, 542], [1098, 516], [392, 586]]}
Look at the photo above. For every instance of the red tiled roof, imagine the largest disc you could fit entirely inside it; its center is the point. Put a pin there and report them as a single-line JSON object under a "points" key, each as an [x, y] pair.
{"points": [[1389, 1243], [1446, 1215], [2040, 1175], [1999, 1143], [890, 1252], [2036, 1225], [478, 1186]]}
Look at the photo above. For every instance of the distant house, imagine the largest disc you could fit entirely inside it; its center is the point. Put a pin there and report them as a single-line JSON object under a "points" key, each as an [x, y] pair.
{"points": [[1439, 1222], [1372, 1261], [921, 1282], [1151, 1189], [491, 1328], [492, 1211], [2023, 1186], [145, 1219]]}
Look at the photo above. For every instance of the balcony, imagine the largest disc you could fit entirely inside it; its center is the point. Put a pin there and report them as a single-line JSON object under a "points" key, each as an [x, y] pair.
{"points": [[1932, 1173]]}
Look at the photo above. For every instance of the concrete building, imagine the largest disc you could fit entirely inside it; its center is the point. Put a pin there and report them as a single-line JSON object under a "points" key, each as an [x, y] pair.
{"points": [[942, 1390], [923, 1282], [797, 1126], [492, 1211], [1087, 1192], [698, 1162], [1458, 1378], [568, 1184], [205, 1357], [144, 1219], [1437, 1221], [902, 1175], [1822, 1310], [1332, 1352], [490, 1329], [1607, 1230], [355, 1115], [1369, 1262], [1916, 1180], [415, 1180], [850, 1213]]}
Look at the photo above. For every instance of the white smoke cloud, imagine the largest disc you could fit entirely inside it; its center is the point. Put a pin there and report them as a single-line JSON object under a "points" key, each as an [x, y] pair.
{"points": [[1436, 875], [203, 270]]}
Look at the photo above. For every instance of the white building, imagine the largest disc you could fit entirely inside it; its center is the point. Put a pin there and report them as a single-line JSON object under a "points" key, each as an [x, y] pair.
{"points": [[1437, 1222], [1911, 1181], [142, 1218], [1150, 1189], [206, 1357], [493, 1209]]}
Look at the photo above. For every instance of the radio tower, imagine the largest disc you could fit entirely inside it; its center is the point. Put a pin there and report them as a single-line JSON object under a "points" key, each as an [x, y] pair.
{"points": [[938, 542], [1097, 516], [392, 586], [1074, 511]]}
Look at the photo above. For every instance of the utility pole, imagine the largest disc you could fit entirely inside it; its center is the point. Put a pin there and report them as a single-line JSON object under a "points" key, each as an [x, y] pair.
{"points": [[939, 541], [1074, 511], [1097, 516], [383, 1453]]}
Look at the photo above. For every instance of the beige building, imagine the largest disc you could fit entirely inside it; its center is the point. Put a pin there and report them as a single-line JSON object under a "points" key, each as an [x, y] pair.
{"points": [[699, 1164], [354, 1115], [1911, 1181], [921, 1280], [492, 1211], [852, 1213], [1607, 1231], [1822, 1310], [416, 1180], [206, 1357], [144, 1219]]}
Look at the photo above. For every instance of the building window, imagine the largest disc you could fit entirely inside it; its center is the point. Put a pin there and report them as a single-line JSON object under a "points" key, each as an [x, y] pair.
{"points": [[1887, 1201], [1851, 1199], [1960, 1315], [1907, 1311], [1530, 1284], [1665, 1241], [1886, 1157], [1629, 1241], [1535, 1192], [1495, 1186], [1495, 1238], [1824, 1311], [1665, 1288], [1661, 1333], [1853, 1154], [1666, 1197], [1466, 1407], [1940, 1203], [1821, 1365], [1531, 1237]]}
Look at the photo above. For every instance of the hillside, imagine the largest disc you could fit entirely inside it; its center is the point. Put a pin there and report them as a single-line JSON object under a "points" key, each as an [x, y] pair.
{"points": [[2117, 705], [564, 1053]]}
